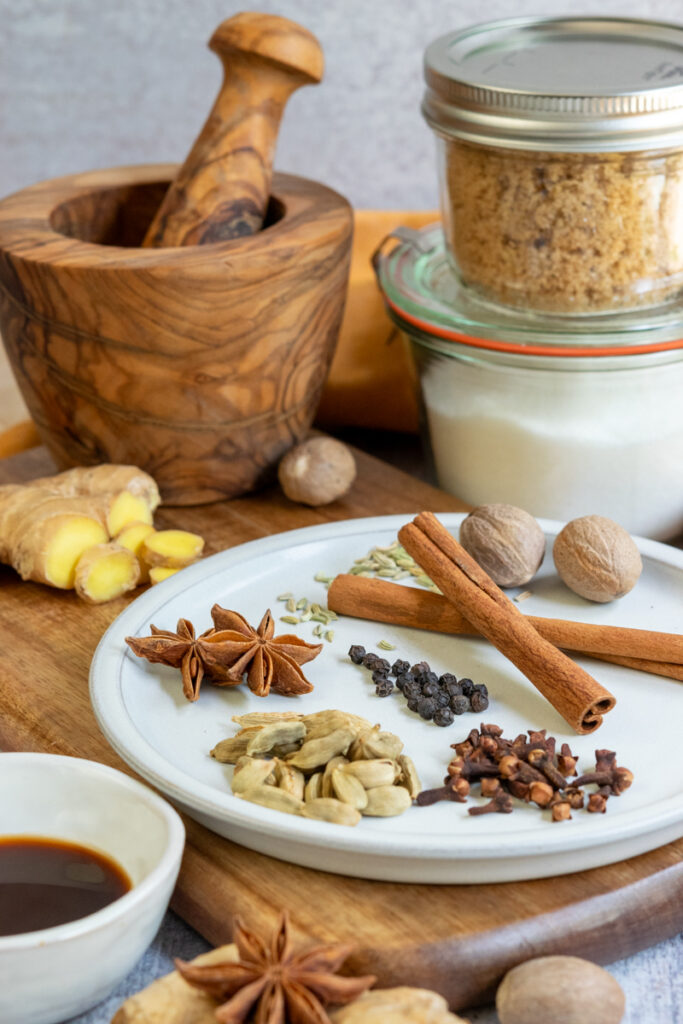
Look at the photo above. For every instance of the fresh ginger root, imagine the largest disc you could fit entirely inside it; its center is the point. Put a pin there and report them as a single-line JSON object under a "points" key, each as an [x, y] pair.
{"points": [[106, 571], [57, 529], [43, 535], [133, 537], [173, 549], [106, 478], [170, 1000], [159, 573], [47, 524], [125, 508]]}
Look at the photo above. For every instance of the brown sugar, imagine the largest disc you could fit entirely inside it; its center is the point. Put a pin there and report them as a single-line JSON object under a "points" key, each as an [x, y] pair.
{"points": [[565, 232]]}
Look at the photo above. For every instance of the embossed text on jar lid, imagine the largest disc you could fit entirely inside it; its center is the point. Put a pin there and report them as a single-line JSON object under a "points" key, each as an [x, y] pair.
{"points": [[574, 84]]}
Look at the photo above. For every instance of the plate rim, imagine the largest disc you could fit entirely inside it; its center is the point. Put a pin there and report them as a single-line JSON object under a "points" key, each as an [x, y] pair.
{"points": [[123, 734]]}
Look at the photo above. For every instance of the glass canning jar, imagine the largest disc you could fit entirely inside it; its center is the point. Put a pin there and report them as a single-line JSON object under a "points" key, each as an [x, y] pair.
{"points": [[560, 156], [562, 418]]}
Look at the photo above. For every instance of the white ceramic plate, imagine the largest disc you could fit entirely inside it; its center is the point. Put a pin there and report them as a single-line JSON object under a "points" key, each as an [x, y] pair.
{"points": [[144, 716]]}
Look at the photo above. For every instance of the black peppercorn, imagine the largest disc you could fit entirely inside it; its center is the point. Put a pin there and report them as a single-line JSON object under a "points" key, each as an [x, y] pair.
{"points": [[460, 704], [404, 678], [356, 654], [426, 708], [433, 697], [370, 659], [479, 701]]}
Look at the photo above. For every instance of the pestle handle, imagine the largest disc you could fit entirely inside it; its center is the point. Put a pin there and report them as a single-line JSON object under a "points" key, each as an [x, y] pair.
{"points": [[222, 189]]}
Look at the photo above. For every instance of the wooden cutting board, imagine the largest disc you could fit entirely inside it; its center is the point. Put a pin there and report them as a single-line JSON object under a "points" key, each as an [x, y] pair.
{"points": [[458, 940]]}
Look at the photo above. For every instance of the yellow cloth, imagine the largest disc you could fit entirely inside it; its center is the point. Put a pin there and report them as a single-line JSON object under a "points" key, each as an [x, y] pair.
{"points": [[18, 438], [372, 380]]}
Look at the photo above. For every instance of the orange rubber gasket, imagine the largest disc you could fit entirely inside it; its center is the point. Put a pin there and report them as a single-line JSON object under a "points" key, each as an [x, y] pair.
{"points": [[528, 350]]}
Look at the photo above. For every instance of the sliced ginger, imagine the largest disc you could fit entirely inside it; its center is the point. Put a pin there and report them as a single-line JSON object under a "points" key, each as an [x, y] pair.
{"points": [[173, 549], [106, 571], [159, 573], [60, 545], [56, 530], [126, 508], [133, 537]]}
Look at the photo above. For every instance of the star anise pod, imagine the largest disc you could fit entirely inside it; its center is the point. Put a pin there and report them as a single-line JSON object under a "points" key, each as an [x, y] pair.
{"points": [[194, 656], [272, 984], [271, 662]]}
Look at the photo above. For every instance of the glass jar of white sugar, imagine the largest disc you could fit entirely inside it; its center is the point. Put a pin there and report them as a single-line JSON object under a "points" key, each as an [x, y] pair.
{"points": [[561, 417]]}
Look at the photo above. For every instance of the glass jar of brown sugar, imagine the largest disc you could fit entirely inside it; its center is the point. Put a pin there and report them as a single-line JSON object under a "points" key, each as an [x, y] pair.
{"points": [[560, 147]]}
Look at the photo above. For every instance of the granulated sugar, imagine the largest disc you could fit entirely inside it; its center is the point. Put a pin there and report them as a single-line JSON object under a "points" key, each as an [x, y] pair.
{"points": [[561, 443]]}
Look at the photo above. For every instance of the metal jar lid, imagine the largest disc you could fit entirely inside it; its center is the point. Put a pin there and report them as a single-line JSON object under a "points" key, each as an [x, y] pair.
{"points": [[559, 84]]}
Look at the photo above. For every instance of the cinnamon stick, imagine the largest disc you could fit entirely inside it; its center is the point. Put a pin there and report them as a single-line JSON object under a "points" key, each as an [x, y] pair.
{"points": [[382, 601], [574, 694], [657, 668]]}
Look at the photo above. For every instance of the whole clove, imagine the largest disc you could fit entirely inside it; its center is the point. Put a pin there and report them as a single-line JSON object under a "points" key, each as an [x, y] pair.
{"points": [[456, 789], [527, 769], [561, 811], [501, 804]]}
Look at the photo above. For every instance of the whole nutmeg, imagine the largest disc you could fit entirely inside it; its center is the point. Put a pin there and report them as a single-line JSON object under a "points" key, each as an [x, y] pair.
{"points": [[317, 471], [597, 558], [561, 990], [506, 541]]}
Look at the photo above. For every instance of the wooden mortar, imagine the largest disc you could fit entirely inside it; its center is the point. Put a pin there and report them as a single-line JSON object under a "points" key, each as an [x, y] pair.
{"points": [[201, 364]]}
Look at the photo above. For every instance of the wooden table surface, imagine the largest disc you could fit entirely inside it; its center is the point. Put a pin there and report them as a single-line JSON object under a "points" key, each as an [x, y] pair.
{"points": [[455, 939]]}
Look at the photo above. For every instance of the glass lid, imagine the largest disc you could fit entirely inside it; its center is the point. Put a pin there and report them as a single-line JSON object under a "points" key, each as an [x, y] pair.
{"points": [[423, 294]]}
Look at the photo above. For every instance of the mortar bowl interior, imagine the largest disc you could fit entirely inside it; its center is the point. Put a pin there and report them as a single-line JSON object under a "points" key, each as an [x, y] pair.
{"points": [[120, 215]]}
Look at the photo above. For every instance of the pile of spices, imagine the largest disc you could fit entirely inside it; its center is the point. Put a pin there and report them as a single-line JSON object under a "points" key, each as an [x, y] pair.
{"points": [[530, 770], [433, 697], [331, 766], [230, 652], [302, 610], [392, 563]]}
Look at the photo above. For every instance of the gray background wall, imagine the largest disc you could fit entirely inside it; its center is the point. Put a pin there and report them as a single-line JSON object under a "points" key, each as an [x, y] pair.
{"points": [[93, 83]]}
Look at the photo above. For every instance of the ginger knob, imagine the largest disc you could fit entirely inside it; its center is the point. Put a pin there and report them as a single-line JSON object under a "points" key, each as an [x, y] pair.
{"points": [[597, 558], [561, 989], [506, 541], [317, 471]]}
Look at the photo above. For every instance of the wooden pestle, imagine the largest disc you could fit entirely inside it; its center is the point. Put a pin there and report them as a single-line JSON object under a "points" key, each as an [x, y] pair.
{"points": [[222, 189]]}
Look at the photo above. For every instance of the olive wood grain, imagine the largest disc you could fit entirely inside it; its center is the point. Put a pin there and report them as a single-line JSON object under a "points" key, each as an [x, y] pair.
{"points": [[222, 189], [458, 940], [202, 364]]}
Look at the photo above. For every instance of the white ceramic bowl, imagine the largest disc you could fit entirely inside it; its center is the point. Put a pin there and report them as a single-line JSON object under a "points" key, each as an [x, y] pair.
{"points": [[50, 975]]}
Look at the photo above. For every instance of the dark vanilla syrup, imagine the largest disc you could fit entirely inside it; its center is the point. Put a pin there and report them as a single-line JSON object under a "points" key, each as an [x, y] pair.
{"points": [[46, 882]]}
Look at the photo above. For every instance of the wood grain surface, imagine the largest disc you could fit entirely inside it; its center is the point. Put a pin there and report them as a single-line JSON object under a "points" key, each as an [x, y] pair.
{"points": [[222, 189], [458, 940], [202, 364]]}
